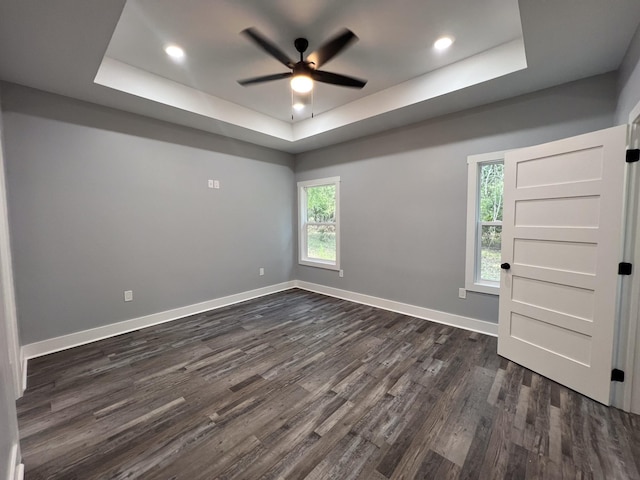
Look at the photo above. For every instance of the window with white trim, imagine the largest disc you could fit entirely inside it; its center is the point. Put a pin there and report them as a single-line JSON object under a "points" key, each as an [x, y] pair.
{"points": [[319, 223], [485, 202]]}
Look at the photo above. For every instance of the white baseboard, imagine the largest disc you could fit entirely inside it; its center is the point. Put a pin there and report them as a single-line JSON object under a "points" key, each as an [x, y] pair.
{"points": [[64, 342], [23, 371], [467, 323], [16, 470], [19, 474], [83, 337]]}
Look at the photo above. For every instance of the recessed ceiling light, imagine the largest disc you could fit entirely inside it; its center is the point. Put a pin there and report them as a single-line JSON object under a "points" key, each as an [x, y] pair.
{"points": [[301, 84], [174, 52], [298, 106], [443, 43]]}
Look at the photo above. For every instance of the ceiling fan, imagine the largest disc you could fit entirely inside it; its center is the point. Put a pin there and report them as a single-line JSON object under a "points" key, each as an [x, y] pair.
{"points": [[304, 72]]}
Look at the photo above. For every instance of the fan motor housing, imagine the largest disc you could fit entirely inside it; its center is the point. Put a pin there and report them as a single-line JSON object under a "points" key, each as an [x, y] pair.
{"points": [[301, 68]]}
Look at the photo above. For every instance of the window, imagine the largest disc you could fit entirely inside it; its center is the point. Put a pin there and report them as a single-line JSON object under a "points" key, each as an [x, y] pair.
{"points": [[319, 228], [484, 222]]}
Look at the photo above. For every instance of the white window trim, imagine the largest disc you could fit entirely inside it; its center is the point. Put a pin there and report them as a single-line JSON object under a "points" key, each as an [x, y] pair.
{"points": [[302, 215], [472, 257]]}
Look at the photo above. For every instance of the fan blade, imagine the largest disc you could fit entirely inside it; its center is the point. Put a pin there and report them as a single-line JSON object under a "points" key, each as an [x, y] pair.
{"points": [[331, 48], [264, 78], [337, 79], [268, 47]]}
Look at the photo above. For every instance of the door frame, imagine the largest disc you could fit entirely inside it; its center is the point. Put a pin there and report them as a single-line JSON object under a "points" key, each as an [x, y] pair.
{"points": [[7, 291], [630, 400]]}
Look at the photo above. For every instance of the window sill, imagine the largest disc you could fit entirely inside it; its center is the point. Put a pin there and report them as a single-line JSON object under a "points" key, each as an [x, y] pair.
{"points": [[483, 288], [319, 264]]}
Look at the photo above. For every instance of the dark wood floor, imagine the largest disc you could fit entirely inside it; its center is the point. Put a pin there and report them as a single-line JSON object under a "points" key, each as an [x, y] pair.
{"points": [[297, 385]]}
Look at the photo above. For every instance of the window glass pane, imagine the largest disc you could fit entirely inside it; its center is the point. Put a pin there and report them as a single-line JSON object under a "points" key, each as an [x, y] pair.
{"points": [[490, 244], [321, 203], [491, 187], [321, 242]]}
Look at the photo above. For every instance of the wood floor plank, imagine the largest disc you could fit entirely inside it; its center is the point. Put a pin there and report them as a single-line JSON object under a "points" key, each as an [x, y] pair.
{"points": [[496, 458], [346, 460], [455, 439], [412, 458], [296, 434], [478, 448], [298, 385]]}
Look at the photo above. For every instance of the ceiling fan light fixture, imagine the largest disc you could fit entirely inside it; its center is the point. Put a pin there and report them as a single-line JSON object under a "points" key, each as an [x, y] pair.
{"points": [[301, 84], [174, 51], [443, 43]]}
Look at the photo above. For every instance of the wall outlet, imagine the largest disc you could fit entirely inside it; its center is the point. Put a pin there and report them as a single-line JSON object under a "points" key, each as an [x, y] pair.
{"points": [[462, 293], [341, 273], [261, 271], [210, 184], [216, 184], [128, 295]]}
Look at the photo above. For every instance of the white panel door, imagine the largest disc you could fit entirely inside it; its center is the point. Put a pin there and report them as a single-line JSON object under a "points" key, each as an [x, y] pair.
{"points": [[562, 239]]}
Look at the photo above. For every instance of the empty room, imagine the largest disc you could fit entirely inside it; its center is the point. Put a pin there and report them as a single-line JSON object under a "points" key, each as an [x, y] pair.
{"points": [[259, 239]]}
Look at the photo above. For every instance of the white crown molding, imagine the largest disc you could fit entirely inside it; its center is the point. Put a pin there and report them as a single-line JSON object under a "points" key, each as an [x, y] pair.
{"points": [[135, 81], [485, 66], [489, 65]]}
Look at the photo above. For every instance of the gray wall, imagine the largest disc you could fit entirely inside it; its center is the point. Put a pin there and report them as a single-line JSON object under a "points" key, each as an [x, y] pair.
{"points": [[629, 81], [403, 193], [101, 201], [8, 420]]}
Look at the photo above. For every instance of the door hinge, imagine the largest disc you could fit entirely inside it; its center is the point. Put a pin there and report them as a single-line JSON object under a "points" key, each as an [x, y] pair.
{"points": [[633, 155], [617, 375], [624, 268]]}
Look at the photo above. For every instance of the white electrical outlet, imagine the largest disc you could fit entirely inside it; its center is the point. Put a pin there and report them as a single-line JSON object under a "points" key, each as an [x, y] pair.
{"points": [[216, 184], [128, 295], [462, 293], [210, 183], [341, 273], [261, 271]]}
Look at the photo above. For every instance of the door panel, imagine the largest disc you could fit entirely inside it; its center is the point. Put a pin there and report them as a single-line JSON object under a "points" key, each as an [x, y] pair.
{"points": [[562, 236], [556, 297], [567, 256], [578, 166], [567, 212], [561, 341]]}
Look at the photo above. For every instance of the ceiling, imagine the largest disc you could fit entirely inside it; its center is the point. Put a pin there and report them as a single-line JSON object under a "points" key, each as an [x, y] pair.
{"points": [[112, 53], [217, 56]]}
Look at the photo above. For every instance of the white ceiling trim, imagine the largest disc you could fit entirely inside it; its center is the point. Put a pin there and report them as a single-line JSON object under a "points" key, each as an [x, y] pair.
{"points": [[58, 47], [496, 62], [491, 64], [135, 81]]}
